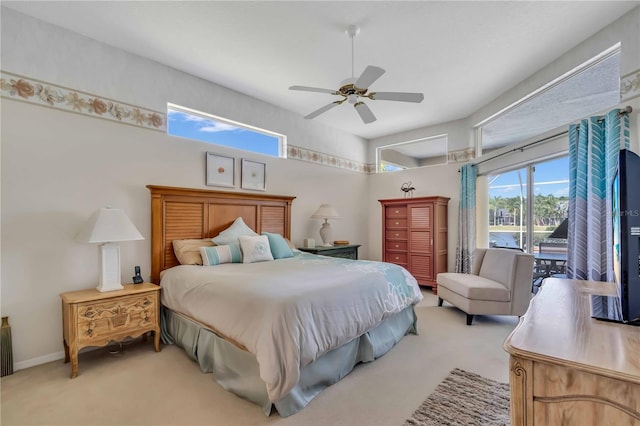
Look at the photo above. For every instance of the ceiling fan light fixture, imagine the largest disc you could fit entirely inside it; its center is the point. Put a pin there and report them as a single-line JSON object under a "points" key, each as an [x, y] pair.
{"points": [[353, 88]]}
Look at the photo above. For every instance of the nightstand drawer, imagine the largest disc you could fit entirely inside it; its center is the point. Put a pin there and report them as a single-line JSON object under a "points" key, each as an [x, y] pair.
{"points": [[113, 319]]}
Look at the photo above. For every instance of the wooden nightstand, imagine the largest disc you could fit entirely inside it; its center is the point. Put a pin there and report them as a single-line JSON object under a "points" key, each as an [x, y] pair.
{"points": [[92, 318], [348, 252]]}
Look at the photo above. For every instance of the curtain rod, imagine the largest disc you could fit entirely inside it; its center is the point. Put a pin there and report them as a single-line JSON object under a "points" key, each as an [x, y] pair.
{"points": [[621, 112], [626, 110]]}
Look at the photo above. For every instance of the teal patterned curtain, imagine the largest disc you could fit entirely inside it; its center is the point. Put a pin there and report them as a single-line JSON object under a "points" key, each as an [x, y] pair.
{"points": [[466, 218], [594, 145]]}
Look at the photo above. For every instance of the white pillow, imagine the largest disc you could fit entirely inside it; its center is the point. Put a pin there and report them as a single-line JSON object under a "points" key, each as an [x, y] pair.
{"points": [[231, 234], [255, 249]]}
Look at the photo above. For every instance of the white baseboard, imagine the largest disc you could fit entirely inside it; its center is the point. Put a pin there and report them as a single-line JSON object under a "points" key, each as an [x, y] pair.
{"points": [[37, 361]]}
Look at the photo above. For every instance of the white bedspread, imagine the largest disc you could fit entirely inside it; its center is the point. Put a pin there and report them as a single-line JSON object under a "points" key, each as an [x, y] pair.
{"points": [[288, 312]]}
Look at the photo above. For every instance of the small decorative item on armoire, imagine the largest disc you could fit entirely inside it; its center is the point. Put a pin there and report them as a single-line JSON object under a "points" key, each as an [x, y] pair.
{"points": [[407, 189], [6, 349]]}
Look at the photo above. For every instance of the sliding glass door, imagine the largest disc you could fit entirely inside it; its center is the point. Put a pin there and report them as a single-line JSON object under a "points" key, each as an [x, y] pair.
{"points": [[527, 204], [507, 209]]}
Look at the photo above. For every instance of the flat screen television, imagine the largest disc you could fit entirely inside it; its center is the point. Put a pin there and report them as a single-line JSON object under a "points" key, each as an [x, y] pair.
{"points": [[625, 191]]}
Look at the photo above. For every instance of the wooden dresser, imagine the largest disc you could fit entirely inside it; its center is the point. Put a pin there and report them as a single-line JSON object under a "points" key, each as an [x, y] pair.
{"points": [[567, 368], [92, 318], [414, 235]]}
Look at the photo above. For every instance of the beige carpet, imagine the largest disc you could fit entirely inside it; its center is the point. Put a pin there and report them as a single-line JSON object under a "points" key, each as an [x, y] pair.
{"points": [[464, 399], [141, 386]]}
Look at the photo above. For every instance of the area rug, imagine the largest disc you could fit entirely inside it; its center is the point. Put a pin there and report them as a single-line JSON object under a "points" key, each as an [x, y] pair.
{"points": [[464, 398]]}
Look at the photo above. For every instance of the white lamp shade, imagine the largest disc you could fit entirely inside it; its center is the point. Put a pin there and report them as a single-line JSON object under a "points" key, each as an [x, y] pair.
{"points": [[326, 211], [108, 225]]}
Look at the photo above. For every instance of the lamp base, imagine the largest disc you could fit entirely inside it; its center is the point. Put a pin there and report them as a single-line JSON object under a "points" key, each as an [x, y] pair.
{"points": [[109, 268], [325, 234], [109, 287]]}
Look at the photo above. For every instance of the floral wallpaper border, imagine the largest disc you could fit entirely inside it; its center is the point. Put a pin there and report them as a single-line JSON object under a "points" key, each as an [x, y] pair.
{"points": [[298, 153], [461, 155], [38, 92], [630, 86]]}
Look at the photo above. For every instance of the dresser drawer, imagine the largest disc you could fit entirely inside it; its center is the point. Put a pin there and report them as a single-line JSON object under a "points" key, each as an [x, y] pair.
{"points": [[397, 234], [396, 245], [393, 212], [399, 258], [396, 223], [116, 318]]}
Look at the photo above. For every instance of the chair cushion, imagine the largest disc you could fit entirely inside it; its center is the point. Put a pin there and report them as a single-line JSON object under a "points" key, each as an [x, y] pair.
{"points": [[497, 265], [474, 287]]}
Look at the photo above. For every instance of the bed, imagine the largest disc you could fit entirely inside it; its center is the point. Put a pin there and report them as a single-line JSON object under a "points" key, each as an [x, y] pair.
{"points": [[274, 332]]}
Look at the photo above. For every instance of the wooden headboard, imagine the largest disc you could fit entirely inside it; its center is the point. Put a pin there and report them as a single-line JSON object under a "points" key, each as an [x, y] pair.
{"points": [[182, 213]]}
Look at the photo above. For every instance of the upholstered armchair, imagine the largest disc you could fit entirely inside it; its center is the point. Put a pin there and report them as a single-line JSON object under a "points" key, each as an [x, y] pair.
{"points": [[499, 284]]}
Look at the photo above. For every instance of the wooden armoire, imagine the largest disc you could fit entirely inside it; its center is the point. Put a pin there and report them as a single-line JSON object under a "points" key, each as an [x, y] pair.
{"points": [[414, 235]]}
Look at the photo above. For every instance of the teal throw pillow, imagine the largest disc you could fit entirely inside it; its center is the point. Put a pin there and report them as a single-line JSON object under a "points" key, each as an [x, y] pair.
{"points": [[279, 247]]}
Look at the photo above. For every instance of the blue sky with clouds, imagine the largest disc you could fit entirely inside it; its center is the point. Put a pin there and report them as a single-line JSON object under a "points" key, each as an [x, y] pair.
{"points": [[551, 177], [217, 132]]}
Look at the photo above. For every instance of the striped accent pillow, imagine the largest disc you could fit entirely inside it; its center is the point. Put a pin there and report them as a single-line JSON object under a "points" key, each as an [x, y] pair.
{"points": [[221, 254]]}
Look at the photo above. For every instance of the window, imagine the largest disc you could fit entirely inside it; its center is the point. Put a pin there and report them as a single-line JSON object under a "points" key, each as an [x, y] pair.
{"points": [[519, 217], [586, 90], [386, 166], [411, 154], [187, 123]]}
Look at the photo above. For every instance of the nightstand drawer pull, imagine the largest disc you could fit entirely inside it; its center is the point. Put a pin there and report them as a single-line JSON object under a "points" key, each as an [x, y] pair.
{"points": [[397, 246], [397, 258]]}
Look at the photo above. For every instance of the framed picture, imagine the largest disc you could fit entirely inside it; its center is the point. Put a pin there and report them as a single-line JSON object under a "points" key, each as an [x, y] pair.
{"points": [[220, 170], [253, 175]]}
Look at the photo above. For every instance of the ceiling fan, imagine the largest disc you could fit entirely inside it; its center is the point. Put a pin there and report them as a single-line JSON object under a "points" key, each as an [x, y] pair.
{"points": [[352, 89]]}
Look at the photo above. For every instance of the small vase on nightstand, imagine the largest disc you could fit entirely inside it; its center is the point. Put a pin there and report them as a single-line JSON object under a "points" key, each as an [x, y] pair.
{"points": [[6, 349]]}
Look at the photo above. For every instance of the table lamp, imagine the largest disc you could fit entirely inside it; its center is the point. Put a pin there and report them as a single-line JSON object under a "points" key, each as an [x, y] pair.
{"points": [[107, 227], [326, 211]]}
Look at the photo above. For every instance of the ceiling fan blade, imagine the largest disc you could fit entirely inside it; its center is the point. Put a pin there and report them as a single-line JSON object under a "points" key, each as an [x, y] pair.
{"points": [[368, 76], [365, 113], [313, 89], [397, 96], [325, 108]]}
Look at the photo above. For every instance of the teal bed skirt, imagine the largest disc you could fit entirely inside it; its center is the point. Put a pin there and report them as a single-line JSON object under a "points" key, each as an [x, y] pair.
{"points": [[237, 371]]}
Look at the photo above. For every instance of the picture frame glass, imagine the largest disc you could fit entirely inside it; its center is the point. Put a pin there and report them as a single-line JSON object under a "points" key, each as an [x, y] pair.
{"points": [[253, 175], [220, 170]]}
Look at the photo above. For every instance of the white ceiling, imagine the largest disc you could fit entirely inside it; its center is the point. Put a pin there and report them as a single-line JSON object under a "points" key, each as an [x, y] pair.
{"points": [[460, 54]]}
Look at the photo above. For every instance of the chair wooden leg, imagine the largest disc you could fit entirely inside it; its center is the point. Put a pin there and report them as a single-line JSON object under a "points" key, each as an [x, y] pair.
{"points": [[469, 319], [439, 301]]}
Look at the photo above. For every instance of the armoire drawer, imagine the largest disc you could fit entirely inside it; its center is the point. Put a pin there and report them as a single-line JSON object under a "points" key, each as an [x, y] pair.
{"points": [[400, 258], [396, 234], [396, 245], [400, 211]]}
